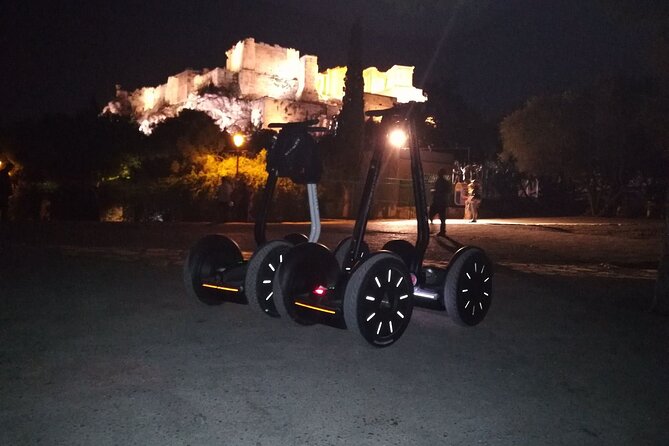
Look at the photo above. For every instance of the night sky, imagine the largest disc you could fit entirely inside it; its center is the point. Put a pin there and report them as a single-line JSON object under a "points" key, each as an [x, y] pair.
{"points": [[64, 56]]}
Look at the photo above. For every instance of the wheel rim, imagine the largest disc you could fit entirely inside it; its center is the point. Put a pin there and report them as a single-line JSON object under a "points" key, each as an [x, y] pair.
{"points": [[474, 289], [308, 267], [265, 281], [384, 304], [208, 275], [342, 250], [301, 290], [205, 266]]}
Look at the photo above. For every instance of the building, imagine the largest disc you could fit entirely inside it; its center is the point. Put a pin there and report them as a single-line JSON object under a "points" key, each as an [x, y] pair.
{"points": [[260, 84]]}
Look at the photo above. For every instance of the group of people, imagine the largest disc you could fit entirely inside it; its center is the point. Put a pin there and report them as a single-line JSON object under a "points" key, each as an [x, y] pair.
{"points": [[442, 193]]}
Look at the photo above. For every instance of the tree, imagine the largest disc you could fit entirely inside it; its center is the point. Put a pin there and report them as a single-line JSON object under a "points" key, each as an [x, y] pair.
{"points": [[345, 154], [457, 125], [598, 138], [653, 16], [64, 159]]}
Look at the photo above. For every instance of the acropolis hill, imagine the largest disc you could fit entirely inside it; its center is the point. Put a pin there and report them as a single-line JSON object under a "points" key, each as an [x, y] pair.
{"points": [[260, 84]]}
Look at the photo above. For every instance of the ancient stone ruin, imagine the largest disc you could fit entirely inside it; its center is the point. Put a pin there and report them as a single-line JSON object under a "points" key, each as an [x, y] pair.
{"points": [[260, 84]]}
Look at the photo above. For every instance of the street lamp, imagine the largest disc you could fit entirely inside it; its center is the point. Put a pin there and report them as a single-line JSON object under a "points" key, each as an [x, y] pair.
{"points": [[397, 137], [238, 140]]}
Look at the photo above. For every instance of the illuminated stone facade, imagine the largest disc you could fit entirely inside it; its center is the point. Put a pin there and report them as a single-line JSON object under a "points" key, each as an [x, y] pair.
{"points": [[261, 84], [395, 83]]}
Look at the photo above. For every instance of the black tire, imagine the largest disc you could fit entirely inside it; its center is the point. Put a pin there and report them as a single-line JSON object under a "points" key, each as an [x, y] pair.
{"points": [[206, 259], [379, 299], [296, 238], [344, 246], [305, 267], [402, 248], [260, 275], [468, 287]]}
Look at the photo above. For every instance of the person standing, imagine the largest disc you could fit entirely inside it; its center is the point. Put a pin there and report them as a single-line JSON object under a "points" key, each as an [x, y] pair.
{"points": [[474, 199], [241, 196], [6, 191], [440, 195], [224, 199]]}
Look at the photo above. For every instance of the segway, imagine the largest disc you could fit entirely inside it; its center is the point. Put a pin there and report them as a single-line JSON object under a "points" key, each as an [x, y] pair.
{"points": [[215, 270], [373, 295]]}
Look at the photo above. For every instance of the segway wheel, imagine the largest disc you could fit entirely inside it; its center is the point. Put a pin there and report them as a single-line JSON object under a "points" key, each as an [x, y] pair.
{"points": [[303, 282], [207, 260], [468, 287], [343, 248], [402, 248], [379, 299], [296, 238], [259, 279]]}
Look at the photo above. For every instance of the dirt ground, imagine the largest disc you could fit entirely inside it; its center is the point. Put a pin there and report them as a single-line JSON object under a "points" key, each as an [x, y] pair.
{"points": [[100, 345]]}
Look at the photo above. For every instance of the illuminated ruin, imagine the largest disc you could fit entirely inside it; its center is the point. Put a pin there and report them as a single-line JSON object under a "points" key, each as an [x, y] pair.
{"points": [[260, 84]]}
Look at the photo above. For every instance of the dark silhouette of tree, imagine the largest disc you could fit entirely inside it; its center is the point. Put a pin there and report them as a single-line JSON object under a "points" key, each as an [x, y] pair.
{"points": [[351, 117], [344, 155], [598, 138], [653, 16], [457, 126], [65, 158], [185, 135]]}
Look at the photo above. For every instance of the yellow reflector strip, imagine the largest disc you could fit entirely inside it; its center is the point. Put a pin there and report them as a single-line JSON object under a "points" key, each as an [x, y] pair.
{"points": [[223, 288], [311, 307]]}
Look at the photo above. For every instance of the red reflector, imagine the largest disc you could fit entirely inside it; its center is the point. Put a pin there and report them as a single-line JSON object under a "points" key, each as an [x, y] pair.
{"points": [[320, 290]]}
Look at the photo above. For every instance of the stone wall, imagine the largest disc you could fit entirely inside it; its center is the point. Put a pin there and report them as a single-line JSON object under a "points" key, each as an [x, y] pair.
{"points": [[397, 83], [272, 71]]}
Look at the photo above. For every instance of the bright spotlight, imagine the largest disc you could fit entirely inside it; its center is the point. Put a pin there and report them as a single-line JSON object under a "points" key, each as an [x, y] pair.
{"points": [[398, 138]]}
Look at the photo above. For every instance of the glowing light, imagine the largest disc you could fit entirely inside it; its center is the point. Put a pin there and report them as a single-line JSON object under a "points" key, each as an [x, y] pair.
{"points": [[397, 285], [468, 276], [390, 323], [266, 281], [311, 307], [465, 290], [377, 282], [223, 288], [389, 275], [369, 318], [378, 330], [269, 295], [272, 267], [404, 297], [238, 140], [320, 290], [398, 138], [400, 314], [370, 298]]}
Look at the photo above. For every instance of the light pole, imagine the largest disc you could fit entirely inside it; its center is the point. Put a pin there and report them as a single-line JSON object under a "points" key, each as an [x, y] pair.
{"points": [[238, 140]]}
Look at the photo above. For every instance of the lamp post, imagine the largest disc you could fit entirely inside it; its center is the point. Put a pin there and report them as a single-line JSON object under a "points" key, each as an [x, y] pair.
{"points": [[238, 140], [397, 138]]}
